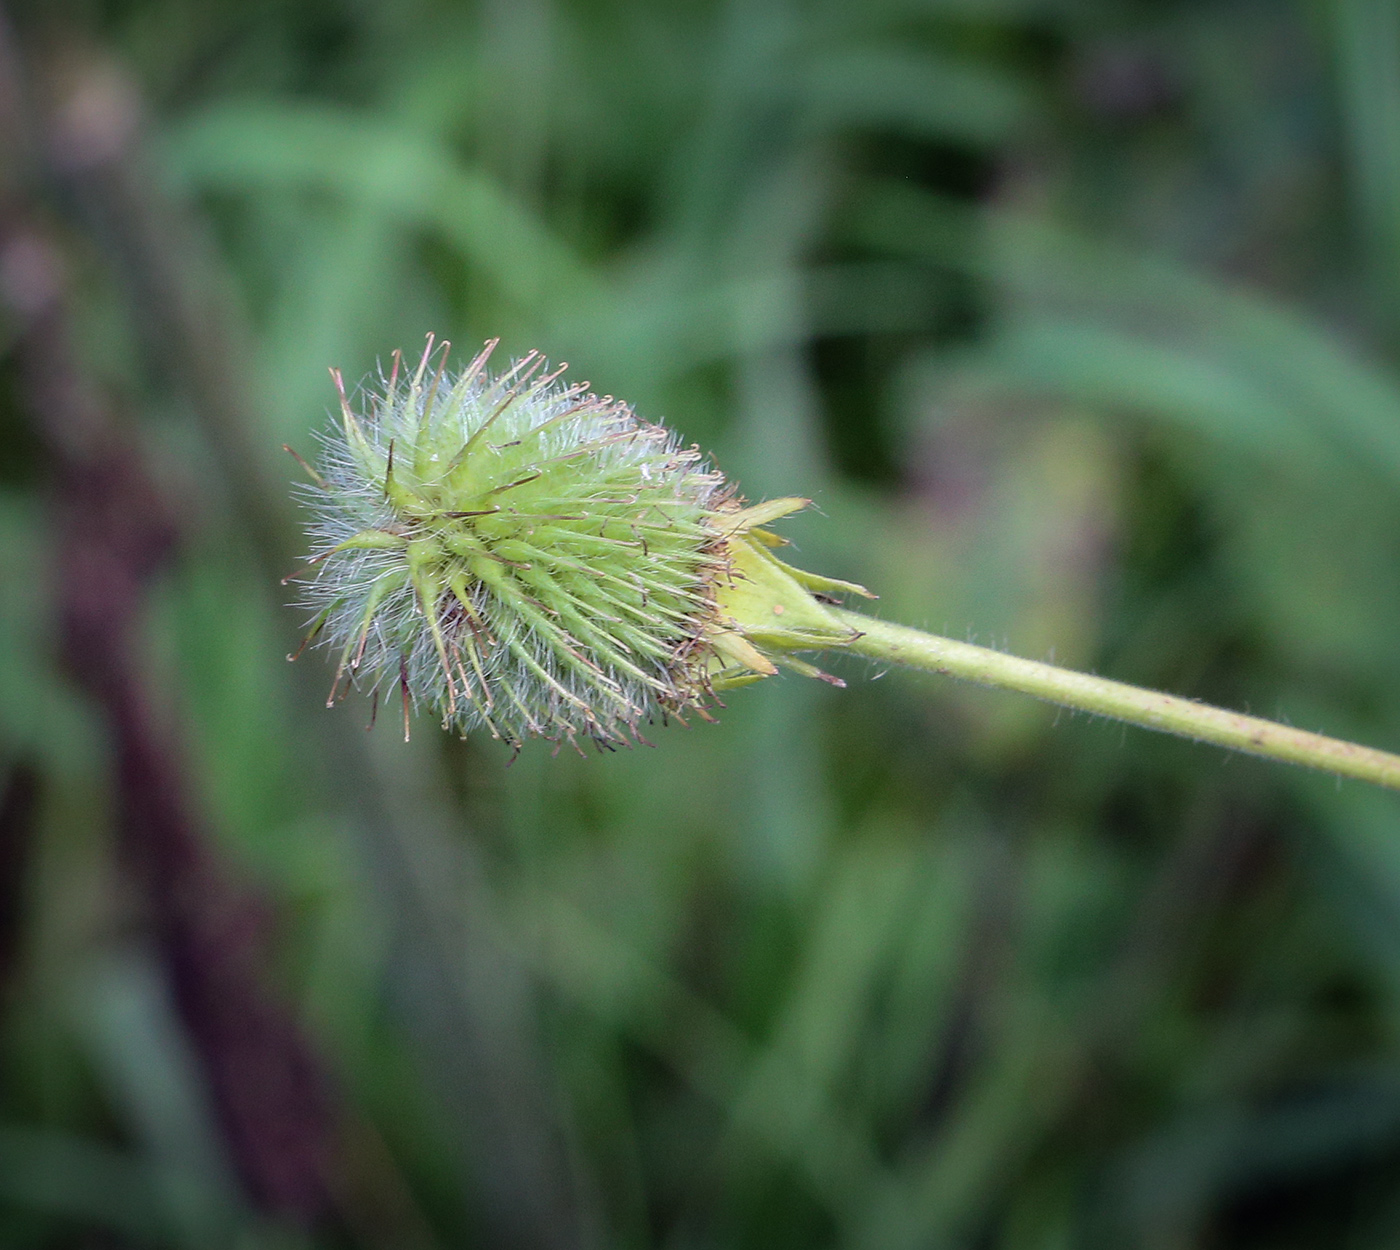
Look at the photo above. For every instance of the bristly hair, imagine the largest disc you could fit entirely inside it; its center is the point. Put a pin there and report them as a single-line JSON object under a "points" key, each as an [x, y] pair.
{"points": [[513, 552]]}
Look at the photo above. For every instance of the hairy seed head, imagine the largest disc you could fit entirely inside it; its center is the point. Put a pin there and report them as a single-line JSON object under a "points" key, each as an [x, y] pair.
{"points": [[517, 553]]}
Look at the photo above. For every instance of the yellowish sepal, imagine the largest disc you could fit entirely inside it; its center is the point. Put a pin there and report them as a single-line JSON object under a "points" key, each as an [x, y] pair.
{"points": [[768, 538], [734, 523], [762, 600], [734, 646], [818, 584], [732, 678]]}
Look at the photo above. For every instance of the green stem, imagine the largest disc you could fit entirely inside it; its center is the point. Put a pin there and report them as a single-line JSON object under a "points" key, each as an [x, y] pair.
{"points": [[882, 641]]}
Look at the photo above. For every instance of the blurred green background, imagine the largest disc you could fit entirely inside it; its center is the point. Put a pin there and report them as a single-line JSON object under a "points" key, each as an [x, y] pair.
{"points": [[1079, 320]]}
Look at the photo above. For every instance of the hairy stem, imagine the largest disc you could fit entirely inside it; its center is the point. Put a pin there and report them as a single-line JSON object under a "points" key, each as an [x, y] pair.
{"points": [[880, 640]]}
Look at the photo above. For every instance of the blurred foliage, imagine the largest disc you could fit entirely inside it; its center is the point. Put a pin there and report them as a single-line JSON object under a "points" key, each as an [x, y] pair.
{"points": [[1079, 319]]}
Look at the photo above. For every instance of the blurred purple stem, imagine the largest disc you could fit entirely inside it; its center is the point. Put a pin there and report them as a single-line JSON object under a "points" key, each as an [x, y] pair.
{"points": [[115, 532]]}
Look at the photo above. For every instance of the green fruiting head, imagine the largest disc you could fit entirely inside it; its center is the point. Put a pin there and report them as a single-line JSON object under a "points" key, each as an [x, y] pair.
{"points": [[516, 553]]}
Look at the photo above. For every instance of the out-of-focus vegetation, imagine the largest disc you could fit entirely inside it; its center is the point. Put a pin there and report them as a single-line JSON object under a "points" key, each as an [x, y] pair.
{"points": [[1081, 323]]}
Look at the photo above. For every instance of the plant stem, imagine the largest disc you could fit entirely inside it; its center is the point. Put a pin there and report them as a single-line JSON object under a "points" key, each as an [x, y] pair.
{"points": [[882, 641]]}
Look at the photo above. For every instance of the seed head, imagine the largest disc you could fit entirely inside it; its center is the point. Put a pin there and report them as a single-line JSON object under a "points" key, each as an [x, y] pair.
{"points": [[517, 553]]}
